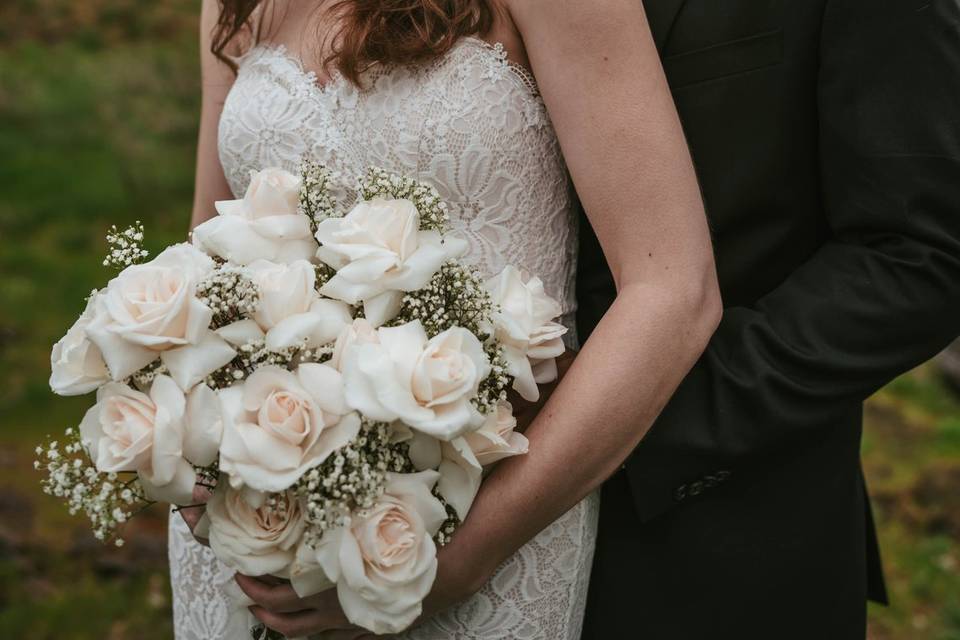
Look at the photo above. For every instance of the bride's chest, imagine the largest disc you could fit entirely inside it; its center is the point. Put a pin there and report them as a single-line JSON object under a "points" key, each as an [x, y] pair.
{"points": [[469, 108]]}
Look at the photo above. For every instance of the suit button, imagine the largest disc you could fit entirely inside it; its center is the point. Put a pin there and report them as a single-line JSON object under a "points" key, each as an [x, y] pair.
{"points": [[722, 475], [681, 493], [696, 488]]}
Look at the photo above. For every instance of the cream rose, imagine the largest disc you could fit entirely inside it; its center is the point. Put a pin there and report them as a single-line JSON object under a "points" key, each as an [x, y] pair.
{"points": [[497, 438], [383, 563], [290, 311], [360, 331], [76, 365], [278, 424], [427, 384], [128, 430], [379, 252], [256, 541], [523, 324], [264, 224], [151, 310]]}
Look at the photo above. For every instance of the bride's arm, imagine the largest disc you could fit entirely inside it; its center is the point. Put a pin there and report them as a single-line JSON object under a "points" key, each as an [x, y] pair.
{"points": [[216, 79], [601, 79]]}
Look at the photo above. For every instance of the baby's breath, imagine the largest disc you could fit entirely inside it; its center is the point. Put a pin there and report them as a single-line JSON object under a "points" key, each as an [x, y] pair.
{"points": [[144, 378], [493, 388], [107, 499], [126, 247], [454, 297], [316, 199], [352, 478], [434, 213], [230, 294], [250, 357]]}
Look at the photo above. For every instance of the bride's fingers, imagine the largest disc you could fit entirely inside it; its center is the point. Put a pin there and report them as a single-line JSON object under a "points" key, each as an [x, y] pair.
{"points": [[300, 623], [278, 598]]}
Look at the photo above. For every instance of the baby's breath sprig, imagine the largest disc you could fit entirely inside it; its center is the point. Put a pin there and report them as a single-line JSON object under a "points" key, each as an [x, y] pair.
{"points": [[107, 499], [454, 297], [352, 478], [493, 388], [144, 378], [250, 357], [230, 294], [126, 247], [434, 213], [324, 273], [316, 197], [449, 526]]}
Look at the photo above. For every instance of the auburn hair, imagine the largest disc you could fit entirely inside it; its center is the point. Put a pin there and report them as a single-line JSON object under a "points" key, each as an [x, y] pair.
{"points": [[368, 32]]}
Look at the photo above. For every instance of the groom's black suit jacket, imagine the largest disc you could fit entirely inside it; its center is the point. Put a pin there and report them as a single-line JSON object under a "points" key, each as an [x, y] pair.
{"points": [[826, 136]]}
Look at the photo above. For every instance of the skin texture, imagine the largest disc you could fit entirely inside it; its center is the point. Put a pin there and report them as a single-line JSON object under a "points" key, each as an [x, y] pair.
{"points": [[601, 79]]}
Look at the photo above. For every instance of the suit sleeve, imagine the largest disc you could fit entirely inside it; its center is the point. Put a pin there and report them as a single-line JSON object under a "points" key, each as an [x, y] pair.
{"points": [[880, 297]]}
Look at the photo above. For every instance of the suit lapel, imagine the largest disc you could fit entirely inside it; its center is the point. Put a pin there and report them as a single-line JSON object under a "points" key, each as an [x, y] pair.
{"points": [[661, 14]]}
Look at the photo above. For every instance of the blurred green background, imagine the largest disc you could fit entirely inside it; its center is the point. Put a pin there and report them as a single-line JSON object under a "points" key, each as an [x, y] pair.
{"points": [[98, 108]]}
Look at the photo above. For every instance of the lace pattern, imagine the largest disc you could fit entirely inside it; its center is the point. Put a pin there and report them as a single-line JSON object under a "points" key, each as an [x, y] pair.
{"points": [[472, 125]]}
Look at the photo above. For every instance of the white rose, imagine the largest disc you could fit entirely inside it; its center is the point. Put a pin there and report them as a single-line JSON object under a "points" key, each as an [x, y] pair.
{"points": [[379, 252], [256, 541], [132, 431], [264, 224], [360, 331], [151, 310], [290, 310], [384, 562], [497, 438], [427, 384], [278, 424], [523, 324], [76, 365]]}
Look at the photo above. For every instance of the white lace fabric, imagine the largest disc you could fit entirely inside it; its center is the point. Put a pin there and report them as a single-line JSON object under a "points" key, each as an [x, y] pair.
{"points": [[473, 126]]}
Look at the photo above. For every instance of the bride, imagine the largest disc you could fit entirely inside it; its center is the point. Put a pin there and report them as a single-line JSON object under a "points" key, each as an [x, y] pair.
{"points": [[478, 97]]}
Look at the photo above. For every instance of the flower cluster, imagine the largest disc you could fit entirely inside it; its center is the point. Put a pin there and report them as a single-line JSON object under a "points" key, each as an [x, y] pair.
{"points": [[352, 479], [316, 198], [434, 213], [126, 247], [106, 499], [332, 376]]}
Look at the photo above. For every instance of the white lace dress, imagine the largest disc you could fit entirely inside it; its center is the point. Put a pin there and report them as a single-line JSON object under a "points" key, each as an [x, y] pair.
{"points": [[473, 126]]}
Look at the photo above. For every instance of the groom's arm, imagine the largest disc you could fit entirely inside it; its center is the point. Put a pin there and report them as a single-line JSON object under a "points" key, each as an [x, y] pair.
{"points": [[880, 297]]}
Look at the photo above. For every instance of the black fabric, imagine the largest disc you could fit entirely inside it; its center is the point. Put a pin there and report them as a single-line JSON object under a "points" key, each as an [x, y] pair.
{"points": [[826, 137]]}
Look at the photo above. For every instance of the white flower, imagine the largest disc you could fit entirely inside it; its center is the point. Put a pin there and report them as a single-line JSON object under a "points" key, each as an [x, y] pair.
{"points": [[460, 471], [497, 439], [427, 384], [151, 310], [256, 541], [383, 562], [76, 364], [132, 431], [360, 331], [379, 252], [278, 424], [290, 310], [523, 324], [264, 224]]}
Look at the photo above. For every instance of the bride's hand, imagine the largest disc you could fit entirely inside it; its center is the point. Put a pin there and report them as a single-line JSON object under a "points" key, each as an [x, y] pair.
{"points": [[281, 609], [192, 513]]}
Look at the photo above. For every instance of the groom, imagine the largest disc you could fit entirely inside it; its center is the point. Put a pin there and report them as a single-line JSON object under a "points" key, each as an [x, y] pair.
{"points": [[826, 135]]}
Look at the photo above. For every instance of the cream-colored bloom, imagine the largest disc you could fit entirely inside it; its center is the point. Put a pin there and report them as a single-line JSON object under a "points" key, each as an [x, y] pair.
{"points": [[278, 424], [76, 365], [523, 324], [360, 331], [384, 561], [151, 310], [379, 252], [497, 438], [264, 224], [290, 310], [128, 430], [427, 384], [255, 540]]}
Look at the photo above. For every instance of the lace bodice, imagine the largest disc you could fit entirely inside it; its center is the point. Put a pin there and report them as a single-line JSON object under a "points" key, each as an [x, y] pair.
{"points": [[473, 126]]}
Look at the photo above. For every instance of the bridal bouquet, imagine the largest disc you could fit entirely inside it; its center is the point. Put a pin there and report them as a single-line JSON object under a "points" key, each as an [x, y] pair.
{"points": [[338, 379]]}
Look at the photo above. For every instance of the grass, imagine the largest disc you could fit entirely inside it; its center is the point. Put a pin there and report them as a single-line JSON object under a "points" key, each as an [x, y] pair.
{"points": [[98, 105]]}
